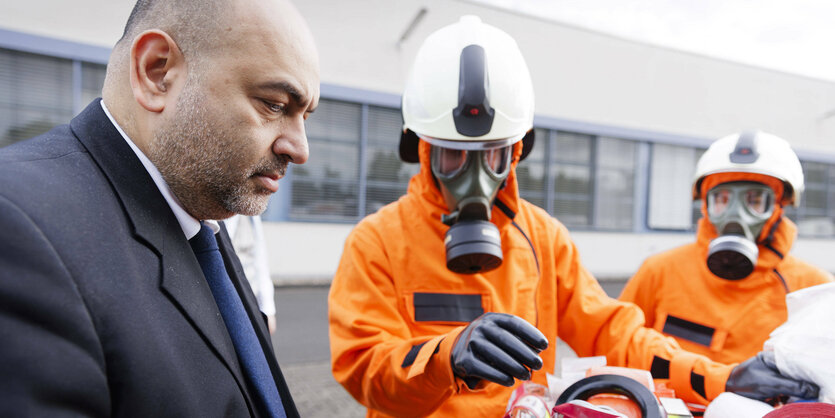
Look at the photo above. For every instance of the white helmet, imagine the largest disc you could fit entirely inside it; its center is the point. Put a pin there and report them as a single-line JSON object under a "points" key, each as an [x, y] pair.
{"points": [[753, 152], [469, 85]]}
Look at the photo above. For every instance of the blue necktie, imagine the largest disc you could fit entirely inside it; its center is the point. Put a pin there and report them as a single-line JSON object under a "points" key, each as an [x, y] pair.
{"points": [[251, 356]]}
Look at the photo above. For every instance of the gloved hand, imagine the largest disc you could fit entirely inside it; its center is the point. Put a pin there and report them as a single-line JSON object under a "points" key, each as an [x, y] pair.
{"points": [[497, 347], [758, 378]]}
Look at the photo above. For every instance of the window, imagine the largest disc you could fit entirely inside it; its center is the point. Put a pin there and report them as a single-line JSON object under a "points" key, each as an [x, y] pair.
{"points": [[38, 92], [815, 215], [614, 183], [582, 180], [327, 186], [531, 173], [585, 181], [344, 137], [573, 180], [92, 80], [387, 176], [670, 199]]}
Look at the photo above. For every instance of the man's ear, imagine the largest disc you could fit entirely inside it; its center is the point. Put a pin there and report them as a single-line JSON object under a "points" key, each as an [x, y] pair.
{"points": [[156, 63]]}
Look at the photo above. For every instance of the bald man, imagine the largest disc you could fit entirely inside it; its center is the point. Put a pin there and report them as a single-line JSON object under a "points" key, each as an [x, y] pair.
{"points": [[120, 294]]}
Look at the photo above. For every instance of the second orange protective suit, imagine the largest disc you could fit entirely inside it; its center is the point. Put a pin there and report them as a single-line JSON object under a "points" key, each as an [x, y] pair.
{"points": [[395, 310], [725, 320]]}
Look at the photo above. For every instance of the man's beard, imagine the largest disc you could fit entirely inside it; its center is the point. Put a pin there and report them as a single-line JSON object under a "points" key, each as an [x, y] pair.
{"points": [[203, 162]]}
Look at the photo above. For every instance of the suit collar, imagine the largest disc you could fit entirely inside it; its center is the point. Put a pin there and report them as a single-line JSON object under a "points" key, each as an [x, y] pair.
{"points": [[155, 225], [189, 225]]}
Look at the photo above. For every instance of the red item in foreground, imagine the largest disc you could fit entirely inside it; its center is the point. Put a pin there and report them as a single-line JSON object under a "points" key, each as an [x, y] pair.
{"points": [[804, 410], [571, 410]]}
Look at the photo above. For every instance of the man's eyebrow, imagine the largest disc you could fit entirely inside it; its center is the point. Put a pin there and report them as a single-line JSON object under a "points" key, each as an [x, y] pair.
{"points": [[288, 88]]}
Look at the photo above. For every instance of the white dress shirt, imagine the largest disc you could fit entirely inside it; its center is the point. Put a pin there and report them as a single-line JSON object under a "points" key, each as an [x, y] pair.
{"points": [[188, 223]]}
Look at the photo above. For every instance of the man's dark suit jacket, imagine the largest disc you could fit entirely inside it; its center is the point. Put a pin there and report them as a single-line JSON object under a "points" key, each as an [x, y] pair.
{"points": [[104, 310]]}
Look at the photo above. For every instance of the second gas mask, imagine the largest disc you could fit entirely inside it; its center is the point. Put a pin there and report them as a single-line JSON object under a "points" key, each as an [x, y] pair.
{"points": [[469, 180], [738, 211]]}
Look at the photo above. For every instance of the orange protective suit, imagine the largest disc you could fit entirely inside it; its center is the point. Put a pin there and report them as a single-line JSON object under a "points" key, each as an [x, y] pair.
{"points": [[395, 310], [725, 320]]}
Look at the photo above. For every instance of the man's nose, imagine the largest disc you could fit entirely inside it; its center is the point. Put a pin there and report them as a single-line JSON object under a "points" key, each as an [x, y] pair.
{"points": [[292, 141]]}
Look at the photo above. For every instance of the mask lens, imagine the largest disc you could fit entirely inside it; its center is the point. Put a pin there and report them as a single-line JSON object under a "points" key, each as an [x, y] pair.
{"points": [[447, 162], [759, 201], [498, 160], [718, 201]]}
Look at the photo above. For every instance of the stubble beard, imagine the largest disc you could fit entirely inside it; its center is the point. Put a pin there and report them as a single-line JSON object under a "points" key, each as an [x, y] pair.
{"points": [[200, 159]]}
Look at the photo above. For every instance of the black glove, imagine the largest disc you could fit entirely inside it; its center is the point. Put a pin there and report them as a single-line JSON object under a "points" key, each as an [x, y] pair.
{"points": [[758, 378], [497, 347]]}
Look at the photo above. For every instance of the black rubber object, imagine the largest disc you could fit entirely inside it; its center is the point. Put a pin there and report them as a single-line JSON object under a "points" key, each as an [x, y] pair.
{"points": [[758, 378], [473, 247], [732, 257], [615, 384], [497, 347]]}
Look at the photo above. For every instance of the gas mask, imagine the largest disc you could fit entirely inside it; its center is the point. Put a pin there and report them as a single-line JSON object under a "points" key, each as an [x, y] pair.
{"points": [[469, 180], [739, 211]]}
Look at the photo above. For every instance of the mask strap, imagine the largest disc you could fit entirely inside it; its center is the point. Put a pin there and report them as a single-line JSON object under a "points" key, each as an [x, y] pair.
{"points": [[509, 213], [770, 238], [504, 208]]}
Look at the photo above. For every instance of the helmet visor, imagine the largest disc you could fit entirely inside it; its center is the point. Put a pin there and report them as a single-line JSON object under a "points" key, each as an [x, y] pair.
{"points": [[497, 160], [718, 200], [758, 200], [448, 162]]}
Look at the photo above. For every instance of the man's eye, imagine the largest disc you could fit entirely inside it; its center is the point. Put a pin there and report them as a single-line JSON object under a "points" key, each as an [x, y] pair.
{"points": [[275, 108]]}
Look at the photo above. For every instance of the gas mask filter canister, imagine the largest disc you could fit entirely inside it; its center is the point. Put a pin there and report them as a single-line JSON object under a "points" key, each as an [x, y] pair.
{"points": [[739, 211], [469, 181]]}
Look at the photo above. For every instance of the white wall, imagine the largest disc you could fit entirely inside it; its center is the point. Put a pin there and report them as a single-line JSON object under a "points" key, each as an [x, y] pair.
{"points": [[93, 22], [304, 253]]}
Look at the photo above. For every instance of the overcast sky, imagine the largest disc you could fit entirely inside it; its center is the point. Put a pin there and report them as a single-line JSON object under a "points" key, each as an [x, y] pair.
{"points": [[795, 36]]}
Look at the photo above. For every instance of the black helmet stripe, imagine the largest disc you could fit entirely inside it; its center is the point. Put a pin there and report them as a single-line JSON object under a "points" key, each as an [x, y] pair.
{"points": [[745, 151], [473, 116]]}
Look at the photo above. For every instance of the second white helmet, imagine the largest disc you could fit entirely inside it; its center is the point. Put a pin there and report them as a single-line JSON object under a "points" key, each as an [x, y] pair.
{"points": [[753, 152], [469, 84]]}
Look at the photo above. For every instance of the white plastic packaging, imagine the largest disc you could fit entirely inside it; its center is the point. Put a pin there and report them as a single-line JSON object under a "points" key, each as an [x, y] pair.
{"points": [[729, 404], [802, 346]]}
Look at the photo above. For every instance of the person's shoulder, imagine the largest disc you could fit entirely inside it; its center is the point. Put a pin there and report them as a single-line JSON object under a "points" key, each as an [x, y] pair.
{"points": [[48, 172], [672, 258], [539, 216], [56, 143], [677, 251], [376, 223], [803, 272], [534, 211], [48, 159], [51, 157]]}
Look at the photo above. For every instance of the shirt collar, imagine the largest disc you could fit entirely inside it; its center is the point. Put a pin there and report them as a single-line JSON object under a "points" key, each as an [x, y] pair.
{"points": [[188, 223]]}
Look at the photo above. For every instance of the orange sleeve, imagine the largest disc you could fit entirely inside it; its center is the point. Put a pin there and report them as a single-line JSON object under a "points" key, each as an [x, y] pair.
{"points": [[592, 323], [372, 353]]}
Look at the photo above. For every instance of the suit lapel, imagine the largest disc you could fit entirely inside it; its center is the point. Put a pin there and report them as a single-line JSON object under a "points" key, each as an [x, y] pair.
{"points": [[156, 226]]}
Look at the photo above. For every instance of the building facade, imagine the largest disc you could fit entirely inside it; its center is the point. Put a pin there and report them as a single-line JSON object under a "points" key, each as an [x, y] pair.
{"points": [[619, 125]]}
